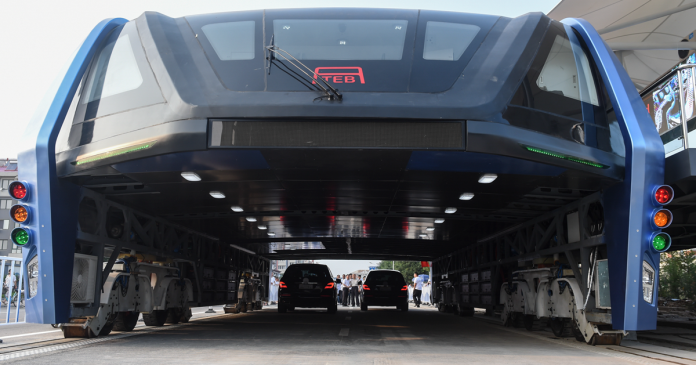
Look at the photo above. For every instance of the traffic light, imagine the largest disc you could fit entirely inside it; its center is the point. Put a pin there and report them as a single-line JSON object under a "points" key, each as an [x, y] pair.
{"points": [[661, 218], [659, 241], [20, 213]]}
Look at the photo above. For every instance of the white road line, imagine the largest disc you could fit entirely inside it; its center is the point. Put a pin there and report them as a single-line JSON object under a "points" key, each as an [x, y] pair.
{"points": [[347, 318], [30, 334], [344, 332]]}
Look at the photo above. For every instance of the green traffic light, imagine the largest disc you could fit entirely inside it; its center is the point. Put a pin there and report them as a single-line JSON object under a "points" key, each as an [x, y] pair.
{"points": [[659, 242], [20, 237]]}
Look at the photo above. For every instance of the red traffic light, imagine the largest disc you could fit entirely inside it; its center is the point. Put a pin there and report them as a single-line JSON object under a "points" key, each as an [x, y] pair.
{"points": [[18, 190], [664, 194]]}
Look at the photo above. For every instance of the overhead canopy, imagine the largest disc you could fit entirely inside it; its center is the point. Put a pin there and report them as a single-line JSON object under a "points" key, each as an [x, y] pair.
{"points": [[643, 65]]}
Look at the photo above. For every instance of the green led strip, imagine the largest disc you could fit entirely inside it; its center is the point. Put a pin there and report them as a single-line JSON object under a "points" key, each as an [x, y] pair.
{"points": [[117, 152], [564, 157]]}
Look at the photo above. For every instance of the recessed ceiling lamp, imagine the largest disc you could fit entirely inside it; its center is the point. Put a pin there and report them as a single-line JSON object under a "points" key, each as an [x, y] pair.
{"points": [[450, 210], [251, 219], [271, 234], [430, 229], [440, 220], [262, 227], [191, 176], [487, 178], [217, 194], [237, 209], [467, 196]]}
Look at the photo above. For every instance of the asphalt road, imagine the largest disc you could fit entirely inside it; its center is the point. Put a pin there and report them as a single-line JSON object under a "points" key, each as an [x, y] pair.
{"points": [[378, 336]]}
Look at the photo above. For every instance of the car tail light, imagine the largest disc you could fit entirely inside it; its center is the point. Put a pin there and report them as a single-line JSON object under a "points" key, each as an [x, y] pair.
{"points": [[282, 285], [365, 287], [329, 285], [405, 288]]}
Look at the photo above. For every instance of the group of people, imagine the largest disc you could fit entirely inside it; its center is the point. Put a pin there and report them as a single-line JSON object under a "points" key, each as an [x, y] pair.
{"points": [[349, 288]]}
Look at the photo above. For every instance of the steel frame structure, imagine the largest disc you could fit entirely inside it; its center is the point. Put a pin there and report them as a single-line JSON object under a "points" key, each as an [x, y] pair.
{"points": [[541, 237]]}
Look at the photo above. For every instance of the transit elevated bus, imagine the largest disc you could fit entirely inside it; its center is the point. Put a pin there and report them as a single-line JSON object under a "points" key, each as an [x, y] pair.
{"points": [[174, 151]]}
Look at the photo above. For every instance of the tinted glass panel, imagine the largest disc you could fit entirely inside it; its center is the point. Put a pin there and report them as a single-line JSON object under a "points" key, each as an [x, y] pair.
{"points": [[394, 278], [298, 273], [233, 40], [447, 41], [115, 71], [341, 39]]}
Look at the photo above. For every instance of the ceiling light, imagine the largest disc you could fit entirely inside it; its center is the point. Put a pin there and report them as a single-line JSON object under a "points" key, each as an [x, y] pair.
{"points": [[217, 194], [251, 219], [263, 227], [237, 209], [430, 229], [423, 235], [271, 234], [467, 196], [191, 176], [440, 220], [487, 178], [450, 210]]}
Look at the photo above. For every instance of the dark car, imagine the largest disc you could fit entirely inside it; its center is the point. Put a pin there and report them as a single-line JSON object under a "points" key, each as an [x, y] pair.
{"points": [[385, 288], [307, 286]]}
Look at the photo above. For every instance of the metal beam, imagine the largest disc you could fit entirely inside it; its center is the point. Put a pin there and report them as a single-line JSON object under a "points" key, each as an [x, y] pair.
{"points": [[647, 18], [638, 46]]}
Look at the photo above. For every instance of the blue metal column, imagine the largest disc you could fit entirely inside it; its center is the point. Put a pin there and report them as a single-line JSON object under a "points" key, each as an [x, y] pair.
{"points": [[54, 202], [628, 205]]}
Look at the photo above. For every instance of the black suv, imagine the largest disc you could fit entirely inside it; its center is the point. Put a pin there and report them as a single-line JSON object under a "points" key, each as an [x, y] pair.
{"points": [[384, 288], [307, 286]]}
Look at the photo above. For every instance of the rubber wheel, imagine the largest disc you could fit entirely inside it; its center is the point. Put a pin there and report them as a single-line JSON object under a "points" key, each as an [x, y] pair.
{"points": [[106, 329], [126, 321], [363, 306], [557, 327], [529, 322], [578, 335], [173, 316], [440, 307], [282, 309], [155, 318], [332, 309], [404, 307], [185, 315]]}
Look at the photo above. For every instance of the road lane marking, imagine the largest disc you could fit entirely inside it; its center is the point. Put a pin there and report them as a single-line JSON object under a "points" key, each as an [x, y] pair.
{"points": [[344, 332], [30, 334]]}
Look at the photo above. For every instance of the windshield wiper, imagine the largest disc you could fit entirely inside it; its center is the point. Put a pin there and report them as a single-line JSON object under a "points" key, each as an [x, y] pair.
{"points": [[330, 92]]}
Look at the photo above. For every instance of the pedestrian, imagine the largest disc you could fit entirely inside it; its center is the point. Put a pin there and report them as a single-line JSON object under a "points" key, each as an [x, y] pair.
{"points": [[426, 293], [273, 295], [354, 290], [338, 289], [410, 293], [417, 289], [360, 288], [10, 283], [346, 290]]}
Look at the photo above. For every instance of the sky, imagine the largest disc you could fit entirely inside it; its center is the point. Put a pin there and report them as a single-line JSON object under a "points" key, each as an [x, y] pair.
{"points": [[39, 36]]}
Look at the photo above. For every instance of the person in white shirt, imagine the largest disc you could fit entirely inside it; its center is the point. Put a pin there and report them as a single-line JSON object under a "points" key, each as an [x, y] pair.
{"points": [[273, 295], [346, 290], [417, 289], [354, 290], [338, 289], [10, 282], [426, 293]]}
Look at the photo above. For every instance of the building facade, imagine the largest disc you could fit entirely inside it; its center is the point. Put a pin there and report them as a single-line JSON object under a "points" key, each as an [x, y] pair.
{"points": [[8, 173]]}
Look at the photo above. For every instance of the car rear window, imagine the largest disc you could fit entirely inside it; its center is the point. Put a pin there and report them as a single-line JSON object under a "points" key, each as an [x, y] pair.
{"points": [[298, 273], [393, 278]]}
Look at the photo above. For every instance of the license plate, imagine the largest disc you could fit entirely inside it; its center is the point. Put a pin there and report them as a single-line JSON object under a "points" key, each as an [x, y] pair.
{"points": [[306, 286], [385, 288]]}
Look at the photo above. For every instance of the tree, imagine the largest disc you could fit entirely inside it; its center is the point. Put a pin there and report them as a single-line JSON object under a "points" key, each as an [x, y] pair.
{"points": [[406, 268], [678, 275]]}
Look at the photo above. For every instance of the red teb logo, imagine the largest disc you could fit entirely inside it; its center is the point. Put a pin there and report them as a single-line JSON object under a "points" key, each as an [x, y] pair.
{"points": [[332, 74]]}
